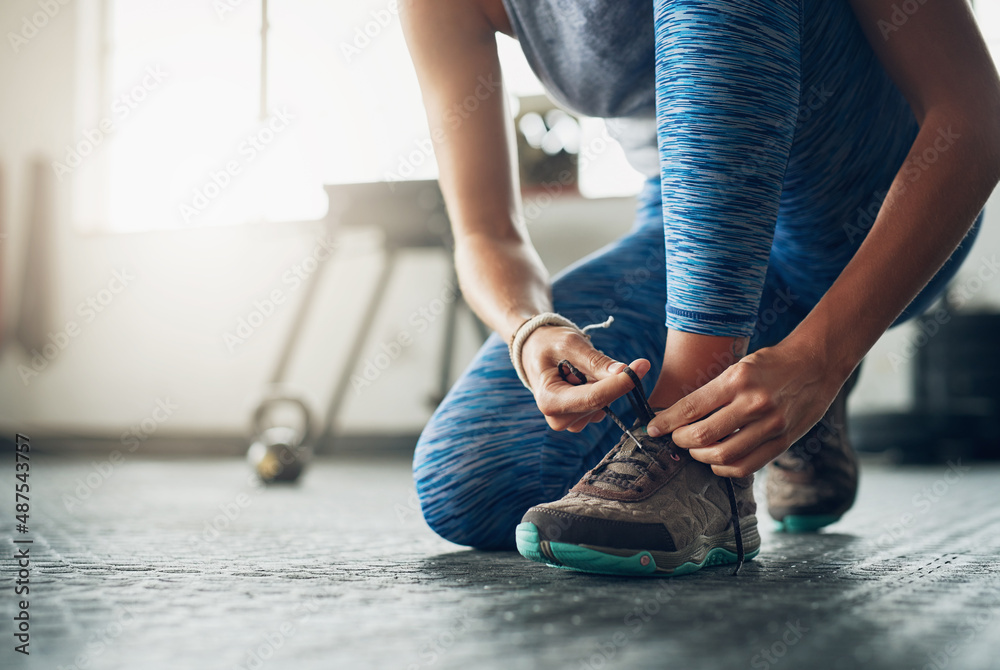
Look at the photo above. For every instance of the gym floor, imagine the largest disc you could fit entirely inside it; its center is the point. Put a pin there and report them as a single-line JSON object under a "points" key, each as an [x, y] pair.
{"points": [[186, 564]]}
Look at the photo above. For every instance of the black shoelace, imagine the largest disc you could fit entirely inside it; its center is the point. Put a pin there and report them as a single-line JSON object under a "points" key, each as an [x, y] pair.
{"points": [[644, 412]]}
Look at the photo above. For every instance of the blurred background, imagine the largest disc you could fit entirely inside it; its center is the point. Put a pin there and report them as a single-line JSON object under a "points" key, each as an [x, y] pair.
{"points": [[218, 217], [203, 203]]}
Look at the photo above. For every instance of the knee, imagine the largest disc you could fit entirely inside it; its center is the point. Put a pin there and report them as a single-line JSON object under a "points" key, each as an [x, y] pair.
{"points": [[473, 466], [462, 497]]}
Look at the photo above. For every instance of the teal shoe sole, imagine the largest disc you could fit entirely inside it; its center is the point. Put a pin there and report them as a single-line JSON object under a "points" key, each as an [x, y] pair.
{"points": [[805, 523], [586, 559]]}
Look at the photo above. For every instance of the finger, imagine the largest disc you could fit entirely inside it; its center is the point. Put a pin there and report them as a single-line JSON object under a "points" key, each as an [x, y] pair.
{"points": [[580, 424], [718, 425], [558, 397], [753, 461], [712, 428], [562, 421], [574, 421], [597, 366], [737, 446], [693, 406]]}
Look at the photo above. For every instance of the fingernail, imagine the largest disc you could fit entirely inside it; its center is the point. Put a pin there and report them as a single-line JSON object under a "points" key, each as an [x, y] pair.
{"points": [[615, 368], [653, 431]]}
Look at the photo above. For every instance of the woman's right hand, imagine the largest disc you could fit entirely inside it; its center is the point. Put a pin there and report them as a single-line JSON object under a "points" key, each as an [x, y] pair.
{"points": [[565, 406]]}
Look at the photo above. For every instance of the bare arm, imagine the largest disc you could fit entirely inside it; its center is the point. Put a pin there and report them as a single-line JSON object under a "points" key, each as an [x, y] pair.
{"points": [[453, 46], [939, 61]]}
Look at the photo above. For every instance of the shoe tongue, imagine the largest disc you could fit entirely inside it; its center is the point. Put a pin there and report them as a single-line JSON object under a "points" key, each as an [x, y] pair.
{"points": [[629, 463]]}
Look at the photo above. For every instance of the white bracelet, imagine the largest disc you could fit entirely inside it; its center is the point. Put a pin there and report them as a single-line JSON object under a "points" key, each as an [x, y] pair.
{"points": [[536, 322]]}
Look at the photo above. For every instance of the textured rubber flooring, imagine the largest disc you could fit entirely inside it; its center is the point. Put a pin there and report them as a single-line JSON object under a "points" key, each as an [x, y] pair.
{"points": [[148, 571]]}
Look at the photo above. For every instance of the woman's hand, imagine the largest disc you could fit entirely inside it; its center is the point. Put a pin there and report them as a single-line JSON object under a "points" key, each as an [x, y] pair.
{"points": [[753, 411], [565, 406]]}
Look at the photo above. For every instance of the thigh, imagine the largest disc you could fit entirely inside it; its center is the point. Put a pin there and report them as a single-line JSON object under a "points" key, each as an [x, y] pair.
{"points": [[487, 454], [476, 463]]}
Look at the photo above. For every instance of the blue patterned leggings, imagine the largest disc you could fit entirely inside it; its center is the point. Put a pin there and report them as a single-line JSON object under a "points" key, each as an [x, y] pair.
{"points": [[487, 455], [780, 134]]}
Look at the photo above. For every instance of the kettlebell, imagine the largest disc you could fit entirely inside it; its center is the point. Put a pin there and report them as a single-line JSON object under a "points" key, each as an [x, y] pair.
{"points": [[280, 453]]}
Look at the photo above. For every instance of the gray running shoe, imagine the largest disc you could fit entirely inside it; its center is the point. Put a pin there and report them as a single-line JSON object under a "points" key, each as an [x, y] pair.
{"points": [[647, 508], [815, 481]]}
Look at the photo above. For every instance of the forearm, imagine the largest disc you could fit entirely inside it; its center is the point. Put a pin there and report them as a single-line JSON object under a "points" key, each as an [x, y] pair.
{"points": [[453, 46], [690, 361], [928, 210], [503, 280]]}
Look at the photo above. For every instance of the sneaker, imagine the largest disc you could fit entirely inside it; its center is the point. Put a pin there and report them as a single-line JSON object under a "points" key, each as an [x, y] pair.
{"points": [[647, 508], [815, 481]]}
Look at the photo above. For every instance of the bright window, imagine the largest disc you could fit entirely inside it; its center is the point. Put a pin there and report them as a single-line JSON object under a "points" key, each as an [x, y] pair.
{"points": [[172, 89], [176, 112]]}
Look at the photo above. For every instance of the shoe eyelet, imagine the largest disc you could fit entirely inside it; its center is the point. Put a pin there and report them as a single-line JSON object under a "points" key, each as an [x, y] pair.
{"points": [[638, 489]]}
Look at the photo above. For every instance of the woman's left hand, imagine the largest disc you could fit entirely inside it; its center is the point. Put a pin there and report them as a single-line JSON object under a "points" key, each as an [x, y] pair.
{"points": [[754, 411]]}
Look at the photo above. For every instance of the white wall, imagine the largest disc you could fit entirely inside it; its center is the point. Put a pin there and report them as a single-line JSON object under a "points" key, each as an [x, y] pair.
{"points": [[162, 337]]}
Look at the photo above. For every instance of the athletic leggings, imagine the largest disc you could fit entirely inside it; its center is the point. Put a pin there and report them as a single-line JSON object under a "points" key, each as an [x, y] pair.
{"points": [[779, 135]]}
